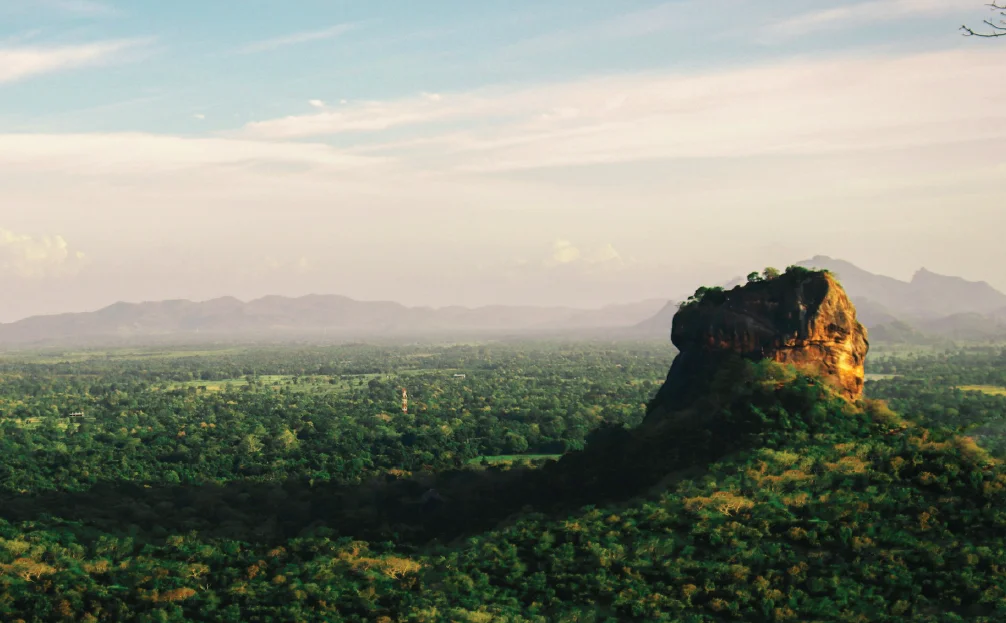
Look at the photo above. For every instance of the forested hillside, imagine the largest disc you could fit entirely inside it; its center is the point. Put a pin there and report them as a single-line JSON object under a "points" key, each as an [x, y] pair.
{"points": [[286, 484]]}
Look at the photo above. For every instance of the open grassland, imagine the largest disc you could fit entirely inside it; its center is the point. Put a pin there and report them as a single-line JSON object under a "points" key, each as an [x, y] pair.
{"points": [[511, 458], [991, 390], [274, 381], [880, 377]]}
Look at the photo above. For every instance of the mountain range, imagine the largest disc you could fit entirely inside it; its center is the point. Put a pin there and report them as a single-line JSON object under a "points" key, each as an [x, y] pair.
{"points": [[313, 315], [893, 310]]}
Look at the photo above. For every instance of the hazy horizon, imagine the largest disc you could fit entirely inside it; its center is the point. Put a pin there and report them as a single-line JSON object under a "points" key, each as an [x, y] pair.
{"points": [[575, 154], [681, 295]]}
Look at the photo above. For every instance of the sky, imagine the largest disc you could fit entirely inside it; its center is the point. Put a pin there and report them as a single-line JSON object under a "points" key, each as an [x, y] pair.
{"points": [[575, 152]]}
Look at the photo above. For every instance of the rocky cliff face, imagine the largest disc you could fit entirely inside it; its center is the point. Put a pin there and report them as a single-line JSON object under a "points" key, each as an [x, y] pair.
{"points": [[801, 318]]}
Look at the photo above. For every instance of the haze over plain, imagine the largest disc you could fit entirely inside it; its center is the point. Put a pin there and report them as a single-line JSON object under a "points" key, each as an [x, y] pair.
{"points": [[576, 154]]}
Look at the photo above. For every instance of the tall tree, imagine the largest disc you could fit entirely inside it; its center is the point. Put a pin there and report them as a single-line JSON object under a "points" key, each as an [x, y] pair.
{"points": [[998, 29]]}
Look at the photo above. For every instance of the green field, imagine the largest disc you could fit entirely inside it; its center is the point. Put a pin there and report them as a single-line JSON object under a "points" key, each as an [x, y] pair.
{"points": [[275, 381], [992, 390], [513, 458], [880, 377]]}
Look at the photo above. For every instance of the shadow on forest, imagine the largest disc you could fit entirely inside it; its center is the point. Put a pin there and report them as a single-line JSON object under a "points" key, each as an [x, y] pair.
{"points": [[617, 465]]}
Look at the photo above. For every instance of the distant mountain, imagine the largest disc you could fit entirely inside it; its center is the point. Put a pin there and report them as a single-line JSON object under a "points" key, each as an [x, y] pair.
{"points": [[966, 327], [658, 325], [277, 316], [872, 314], [930, 305], [927, 295], [898, 332]]}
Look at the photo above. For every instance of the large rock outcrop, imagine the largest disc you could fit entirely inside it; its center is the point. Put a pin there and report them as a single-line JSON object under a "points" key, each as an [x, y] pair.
{"points": [[803, 318]]}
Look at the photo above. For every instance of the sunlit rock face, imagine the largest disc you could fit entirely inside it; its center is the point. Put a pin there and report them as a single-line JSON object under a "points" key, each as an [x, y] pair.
{"points": [[800, 318]]}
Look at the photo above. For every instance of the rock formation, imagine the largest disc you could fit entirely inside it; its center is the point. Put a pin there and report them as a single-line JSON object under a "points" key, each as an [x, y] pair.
{"points": [[802, 317]]}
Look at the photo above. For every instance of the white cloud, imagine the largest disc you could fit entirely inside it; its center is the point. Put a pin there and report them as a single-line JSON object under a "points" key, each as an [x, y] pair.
{"points": [[484, 105], [871, 139], [297, 38], [199, 116], [797, 107], [364, 117], [30, 257], [563, 253], [20, 62], [300, 266], [316, 103], [860, 13], [810, 107]]}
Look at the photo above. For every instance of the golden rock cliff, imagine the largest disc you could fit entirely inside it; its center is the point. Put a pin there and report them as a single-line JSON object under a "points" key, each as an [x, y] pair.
{"points": [[802, 318]]}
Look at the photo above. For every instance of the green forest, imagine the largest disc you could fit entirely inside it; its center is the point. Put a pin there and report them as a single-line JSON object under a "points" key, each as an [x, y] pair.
{"points": [[277, 484]]}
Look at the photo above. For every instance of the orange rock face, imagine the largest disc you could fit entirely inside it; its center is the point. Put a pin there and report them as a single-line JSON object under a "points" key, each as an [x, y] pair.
{"points": [[802, 318]]}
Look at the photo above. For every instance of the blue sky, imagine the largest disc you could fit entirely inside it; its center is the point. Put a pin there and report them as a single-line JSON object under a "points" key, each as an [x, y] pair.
{"points": [[445, 152], [238, 61]]}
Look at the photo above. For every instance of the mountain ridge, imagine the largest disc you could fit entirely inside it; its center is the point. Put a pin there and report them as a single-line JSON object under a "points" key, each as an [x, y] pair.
{"points": [[313, 313], [933, 305]]}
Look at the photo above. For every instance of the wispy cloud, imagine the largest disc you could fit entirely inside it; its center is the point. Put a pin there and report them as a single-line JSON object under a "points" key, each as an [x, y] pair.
{"points": [[368, 116], [297, 39], [858, 14], [858, 103], [567, 261], [20, 62]]}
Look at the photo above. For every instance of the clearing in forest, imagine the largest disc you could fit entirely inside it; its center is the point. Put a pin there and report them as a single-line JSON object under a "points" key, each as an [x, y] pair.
{"points": [[992, 390]]}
